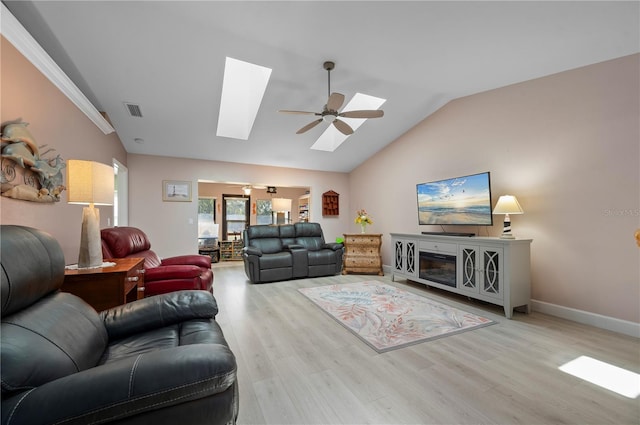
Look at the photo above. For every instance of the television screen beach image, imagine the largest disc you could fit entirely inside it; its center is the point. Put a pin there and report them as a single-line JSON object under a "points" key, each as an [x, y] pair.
{"points": [[461, 201]]}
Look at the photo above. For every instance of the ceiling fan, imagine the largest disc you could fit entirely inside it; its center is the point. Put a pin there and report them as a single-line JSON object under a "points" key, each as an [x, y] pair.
{"points": [[330, 111], [246, 188]]}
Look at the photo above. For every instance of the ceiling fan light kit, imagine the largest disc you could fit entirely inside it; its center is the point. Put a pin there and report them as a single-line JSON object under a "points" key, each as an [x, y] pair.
{"points": [[330, 112]]}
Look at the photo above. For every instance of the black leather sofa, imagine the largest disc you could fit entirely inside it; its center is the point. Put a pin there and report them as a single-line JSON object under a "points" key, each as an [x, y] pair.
{"points": [[290, 251], [160, 360]]}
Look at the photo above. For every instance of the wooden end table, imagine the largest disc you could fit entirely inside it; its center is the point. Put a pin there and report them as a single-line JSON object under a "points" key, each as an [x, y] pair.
{"points": [[107, 287], [362, 254]]}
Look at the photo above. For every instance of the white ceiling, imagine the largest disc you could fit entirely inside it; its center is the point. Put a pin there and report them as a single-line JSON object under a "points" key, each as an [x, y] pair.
{"points": [[168, 57]]}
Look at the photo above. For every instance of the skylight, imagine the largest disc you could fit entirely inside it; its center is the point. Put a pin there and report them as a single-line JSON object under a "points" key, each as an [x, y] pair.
{"points": [[243, 87], [613, 378], [332, 138]]}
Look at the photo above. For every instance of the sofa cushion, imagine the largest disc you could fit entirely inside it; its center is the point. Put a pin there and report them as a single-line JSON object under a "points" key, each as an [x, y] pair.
{"points": [[308, 229], [309, 235], [37, 350], [322, 257], [276, 261], [287, 234], [124, 241], [125, 391], [265, 238], [268, 245], [310, 242], [22, 284]]}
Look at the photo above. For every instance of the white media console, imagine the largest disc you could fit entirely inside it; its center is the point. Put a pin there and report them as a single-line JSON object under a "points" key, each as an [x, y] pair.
{"points": [[494, 270]]}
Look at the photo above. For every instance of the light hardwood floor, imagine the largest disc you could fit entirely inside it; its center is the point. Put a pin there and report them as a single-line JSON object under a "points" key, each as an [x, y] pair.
{"points": [[296, 365]]}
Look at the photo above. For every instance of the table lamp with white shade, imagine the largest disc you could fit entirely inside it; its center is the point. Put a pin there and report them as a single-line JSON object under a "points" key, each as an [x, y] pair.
{"points": [[507, 204], [90, 183]]}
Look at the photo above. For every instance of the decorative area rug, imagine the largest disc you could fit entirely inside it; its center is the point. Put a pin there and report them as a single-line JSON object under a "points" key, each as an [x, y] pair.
{"points": [[387, 318]]}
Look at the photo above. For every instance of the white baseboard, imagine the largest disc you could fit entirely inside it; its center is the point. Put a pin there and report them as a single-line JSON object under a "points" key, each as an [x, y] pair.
{"points": [[587, 318], [592, 319]]}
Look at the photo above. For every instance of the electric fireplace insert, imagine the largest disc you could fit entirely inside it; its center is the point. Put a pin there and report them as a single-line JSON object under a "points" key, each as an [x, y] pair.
{"points": [[437, 267]]}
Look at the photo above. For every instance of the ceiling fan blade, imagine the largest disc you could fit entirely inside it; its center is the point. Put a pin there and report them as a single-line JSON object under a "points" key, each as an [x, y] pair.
{"points": [[298, 112], [343, 127], [309, 126], [374, 113], [335, 101]]}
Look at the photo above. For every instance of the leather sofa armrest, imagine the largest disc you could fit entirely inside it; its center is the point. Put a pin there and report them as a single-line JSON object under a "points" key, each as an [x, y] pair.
{"points": [[294, 246], [157, 312], [334, 246], [252, 250], [203, 261], [171, 272], [127, 387]]}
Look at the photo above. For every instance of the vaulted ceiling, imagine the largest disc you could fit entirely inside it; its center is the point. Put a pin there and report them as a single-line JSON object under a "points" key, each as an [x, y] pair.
{"points": [[168, 57]]}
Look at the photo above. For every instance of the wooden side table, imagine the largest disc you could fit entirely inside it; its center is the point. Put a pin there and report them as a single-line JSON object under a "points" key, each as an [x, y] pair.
{"points": [[362, 254], [107, 287]]}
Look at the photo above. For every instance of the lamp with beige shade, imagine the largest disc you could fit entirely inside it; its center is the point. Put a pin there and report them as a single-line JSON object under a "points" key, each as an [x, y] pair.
{"points": [[90, 183]]}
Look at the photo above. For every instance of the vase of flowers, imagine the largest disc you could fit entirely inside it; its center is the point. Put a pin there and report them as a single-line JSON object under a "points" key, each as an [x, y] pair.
{"points": [[362, 218]]}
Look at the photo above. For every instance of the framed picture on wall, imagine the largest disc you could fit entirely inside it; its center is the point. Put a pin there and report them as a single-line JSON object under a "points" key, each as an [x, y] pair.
{"points": [[176, 191]]}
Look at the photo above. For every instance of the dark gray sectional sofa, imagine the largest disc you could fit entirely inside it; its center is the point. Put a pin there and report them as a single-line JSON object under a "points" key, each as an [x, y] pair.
{"points": [[290, 251]]}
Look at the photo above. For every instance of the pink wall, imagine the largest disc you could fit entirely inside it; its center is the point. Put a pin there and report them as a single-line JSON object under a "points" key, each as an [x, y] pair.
{"points": [[567, 146], [172, 226], [58, 123]]}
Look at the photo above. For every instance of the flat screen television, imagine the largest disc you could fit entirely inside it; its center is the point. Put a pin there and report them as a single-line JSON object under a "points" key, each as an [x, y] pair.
{"points": [[460, 201]]}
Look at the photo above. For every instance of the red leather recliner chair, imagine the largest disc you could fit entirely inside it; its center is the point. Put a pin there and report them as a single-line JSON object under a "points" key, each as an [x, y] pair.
{"points": [[160, 275]]}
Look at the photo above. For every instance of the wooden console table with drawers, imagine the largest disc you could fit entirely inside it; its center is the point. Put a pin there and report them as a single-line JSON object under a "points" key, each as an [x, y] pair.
{"points": [[106, 287], [362, 254]]}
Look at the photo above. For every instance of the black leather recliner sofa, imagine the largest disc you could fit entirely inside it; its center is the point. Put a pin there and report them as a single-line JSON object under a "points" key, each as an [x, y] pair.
{"points": [[273, 253], [160, 360]]}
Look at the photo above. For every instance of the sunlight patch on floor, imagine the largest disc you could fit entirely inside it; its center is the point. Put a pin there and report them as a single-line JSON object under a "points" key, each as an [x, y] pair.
{"points": [[613, 378]]}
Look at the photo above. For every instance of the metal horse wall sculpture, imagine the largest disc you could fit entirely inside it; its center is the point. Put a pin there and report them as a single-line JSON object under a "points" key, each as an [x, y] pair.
{"points": [[42, 178]]}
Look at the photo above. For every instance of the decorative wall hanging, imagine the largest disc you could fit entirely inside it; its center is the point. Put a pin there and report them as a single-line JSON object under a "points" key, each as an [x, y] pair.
{"points": [[26, 173], [176, 191], [330, 204]]}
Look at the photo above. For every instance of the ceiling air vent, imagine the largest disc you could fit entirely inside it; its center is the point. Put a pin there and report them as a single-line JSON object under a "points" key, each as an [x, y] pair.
{"points": [[134, 110]]}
